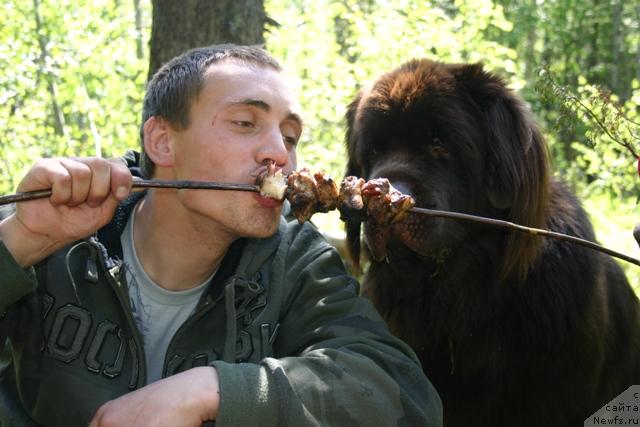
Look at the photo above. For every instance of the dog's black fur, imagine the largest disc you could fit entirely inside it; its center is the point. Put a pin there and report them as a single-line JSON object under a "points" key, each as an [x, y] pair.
{"points": [[511, 329]]}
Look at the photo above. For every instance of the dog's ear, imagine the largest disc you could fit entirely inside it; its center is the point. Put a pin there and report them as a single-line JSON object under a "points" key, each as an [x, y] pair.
{"points": [[352, 226], [351, 134], [508, 132], [516, 163], [509, 139]]}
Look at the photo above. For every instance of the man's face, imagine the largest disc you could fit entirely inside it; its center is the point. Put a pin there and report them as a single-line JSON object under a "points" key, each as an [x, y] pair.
{"points": [[244, 117]]}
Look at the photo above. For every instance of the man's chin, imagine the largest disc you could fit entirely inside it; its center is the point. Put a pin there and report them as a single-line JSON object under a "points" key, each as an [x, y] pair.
{"points": [[262, 229]]}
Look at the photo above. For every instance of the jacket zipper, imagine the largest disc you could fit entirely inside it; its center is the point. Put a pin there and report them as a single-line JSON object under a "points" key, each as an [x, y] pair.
{"points": [[202, 309], [117, 286]]}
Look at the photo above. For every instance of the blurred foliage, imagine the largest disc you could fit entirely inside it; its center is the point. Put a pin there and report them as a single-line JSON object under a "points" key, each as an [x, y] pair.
{"points": [[72, 77], [71, 81], [606, 155]]}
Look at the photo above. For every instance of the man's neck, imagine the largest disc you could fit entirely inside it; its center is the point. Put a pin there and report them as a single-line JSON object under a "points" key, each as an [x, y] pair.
{"points": [[175, 249]]}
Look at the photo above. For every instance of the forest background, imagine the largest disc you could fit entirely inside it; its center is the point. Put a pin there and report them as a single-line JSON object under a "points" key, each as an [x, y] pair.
{"points": [[73, 73]]}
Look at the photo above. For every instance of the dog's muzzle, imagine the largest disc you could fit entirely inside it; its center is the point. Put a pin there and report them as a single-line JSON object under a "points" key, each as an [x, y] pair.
{"points": [[409, 231]]}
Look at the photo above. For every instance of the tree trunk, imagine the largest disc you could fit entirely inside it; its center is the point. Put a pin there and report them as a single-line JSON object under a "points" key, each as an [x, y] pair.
{"points": [[139, 42], [616, 46], [637, 66], [179, 26], [59, 122], [533, 20]]}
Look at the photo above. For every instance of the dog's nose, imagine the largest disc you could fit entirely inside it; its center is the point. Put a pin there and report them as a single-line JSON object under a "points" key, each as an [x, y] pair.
{"points": [[402, 187], [392, 171]]}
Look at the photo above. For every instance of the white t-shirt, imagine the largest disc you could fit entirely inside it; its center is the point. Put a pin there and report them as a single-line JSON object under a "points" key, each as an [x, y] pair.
{"points": [[158, 312]]}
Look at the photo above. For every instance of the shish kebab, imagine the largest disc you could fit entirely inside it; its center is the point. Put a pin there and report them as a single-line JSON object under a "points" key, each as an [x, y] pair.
{"points": [[355, 199]]}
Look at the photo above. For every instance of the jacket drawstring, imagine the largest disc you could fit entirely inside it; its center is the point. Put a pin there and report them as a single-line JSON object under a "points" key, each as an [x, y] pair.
{"points": [[91, 273], [230, 309]]}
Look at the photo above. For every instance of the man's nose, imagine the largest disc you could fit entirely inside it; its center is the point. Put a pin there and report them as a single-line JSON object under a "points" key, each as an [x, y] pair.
{"points": [[273, 147]]}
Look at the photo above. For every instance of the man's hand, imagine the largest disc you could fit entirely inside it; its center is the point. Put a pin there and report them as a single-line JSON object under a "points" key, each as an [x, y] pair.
{"points": [[186, 399], [85, 193]]}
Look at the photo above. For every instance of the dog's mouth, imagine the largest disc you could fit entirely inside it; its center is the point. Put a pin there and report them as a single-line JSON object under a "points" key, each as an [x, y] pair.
{"points": [[412, 231]]}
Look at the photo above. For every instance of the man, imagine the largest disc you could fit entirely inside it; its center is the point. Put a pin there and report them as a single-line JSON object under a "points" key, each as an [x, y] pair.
{"points": [[219, 310]]}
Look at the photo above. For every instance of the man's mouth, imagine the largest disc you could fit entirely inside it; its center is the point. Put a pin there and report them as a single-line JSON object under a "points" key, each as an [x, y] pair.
{"points": [[267, 202], [262, 171]]}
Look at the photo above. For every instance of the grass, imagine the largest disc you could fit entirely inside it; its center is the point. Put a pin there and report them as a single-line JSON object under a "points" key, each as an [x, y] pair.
{"points": [[613, 221]]}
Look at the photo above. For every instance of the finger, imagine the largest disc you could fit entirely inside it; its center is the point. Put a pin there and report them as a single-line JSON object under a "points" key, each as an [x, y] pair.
{"points": [[100, 181], [95, 421], [80, 180], [48, 173], [43, 174], [121, 179]]}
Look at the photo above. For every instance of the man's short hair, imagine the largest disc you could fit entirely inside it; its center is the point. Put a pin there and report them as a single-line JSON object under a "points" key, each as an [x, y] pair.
{"points": [[177, 83]]}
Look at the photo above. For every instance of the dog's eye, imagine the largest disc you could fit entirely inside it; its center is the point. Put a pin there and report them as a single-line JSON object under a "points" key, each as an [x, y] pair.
{"points": [[437, 149]]}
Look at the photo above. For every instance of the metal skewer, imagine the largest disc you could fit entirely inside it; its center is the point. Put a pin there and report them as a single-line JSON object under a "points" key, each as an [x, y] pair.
{"points": [[204, 185], [527, 230], [140, 183]]}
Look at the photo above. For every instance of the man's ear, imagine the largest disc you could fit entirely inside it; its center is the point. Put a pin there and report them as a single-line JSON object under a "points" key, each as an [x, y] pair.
{"points": [[158, 143]]}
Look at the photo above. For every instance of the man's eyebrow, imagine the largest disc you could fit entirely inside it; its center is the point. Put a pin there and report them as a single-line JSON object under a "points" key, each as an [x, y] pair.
{"points": [[258, 103], [253, 102]]}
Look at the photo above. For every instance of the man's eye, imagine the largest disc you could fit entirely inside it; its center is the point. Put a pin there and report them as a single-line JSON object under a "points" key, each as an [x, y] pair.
{"points": [[291, 140], [243, 123]]}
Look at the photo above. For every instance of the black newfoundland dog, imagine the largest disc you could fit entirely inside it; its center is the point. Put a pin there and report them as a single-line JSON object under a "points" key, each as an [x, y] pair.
{"points": [[513, 330]]}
